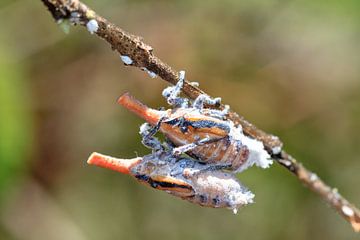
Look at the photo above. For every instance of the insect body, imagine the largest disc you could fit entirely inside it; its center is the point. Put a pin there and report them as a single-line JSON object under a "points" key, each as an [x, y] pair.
{"points": [[207, 138], [183, 178]]}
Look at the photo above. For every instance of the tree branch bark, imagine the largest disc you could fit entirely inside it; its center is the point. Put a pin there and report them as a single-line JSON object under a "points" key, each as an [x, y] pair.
{"points": [[142, 57]]}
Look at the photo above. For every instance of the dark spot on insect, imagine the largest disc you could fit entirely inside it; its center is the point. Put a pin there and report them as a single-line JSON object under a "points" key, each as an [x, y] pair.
{"points": [[183, 123], [173, 122], [176, 185], [142, 177], [227, 141], [238, 145], [179, 122], [209, 124], [153, 184], [183, 129], [216, 200], [203, 198]]}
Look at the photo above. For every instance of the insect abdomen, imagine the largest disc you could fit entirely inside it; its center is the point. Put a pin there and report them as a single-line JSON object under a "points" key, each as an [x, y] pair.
{"points": [[223, 153], [218, 190]]}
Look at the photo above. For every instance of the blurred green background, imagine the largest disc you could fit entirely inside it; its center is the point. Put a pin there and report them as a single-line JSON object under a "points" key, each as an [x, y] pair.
{"points": [[290, 67]]}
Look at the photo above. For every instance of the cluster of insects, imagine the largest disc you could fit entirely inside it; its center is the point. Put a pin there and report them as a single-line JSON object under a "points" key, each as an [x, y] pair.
{"points": [[202, 152]]}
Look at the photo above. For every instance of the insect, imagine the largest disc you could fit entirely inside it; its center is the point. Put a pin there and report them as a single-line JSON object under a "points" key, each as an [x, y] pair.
{"points": [[183, 178], [202, 133]]}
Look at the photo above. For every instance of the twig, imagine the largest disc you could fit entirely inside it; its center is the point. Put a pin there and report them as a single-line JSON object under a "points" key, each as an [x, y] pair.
{"points": [[142, 56]]}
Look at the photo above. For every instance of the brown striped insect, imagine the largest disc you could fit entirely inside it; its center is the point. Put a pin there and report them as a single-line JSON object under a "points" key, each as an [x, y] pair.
{"points": [[199, 134], [184, 178]]}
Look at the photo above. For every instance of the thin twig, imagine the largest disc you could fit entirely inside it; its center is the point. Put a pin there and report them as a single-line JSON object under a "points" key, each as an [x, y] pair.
{"points": [[142, 56]]}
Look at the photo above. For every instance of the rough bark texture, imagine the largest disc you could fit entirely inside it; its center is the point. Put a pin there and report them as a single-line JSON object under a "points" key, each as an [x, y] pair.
{"points": [[142, 55]]}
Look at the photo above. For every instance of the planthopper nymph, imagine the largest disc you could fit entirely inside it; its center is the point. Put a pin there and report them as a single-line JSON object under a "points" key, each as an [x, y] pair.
{"points": [[184, 178], [202, 133]]}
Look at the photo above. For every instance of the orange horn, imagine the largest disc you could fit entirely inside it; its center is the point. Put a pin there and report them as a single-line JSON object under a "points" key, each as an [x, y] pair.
{"points": [[116, 164], [151, 116]]}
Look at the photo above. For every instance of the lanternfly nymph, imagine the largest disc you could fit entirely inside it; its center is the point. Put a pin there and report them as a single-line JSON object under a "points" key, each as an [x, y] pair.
{"points": [[205, 138], [202, 133], [184, 178]]}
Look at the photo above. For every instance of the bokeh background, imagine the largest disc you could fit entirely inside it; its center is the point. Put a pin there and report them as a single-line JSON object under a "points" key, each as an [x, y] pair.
{"points": [[290, 67]]}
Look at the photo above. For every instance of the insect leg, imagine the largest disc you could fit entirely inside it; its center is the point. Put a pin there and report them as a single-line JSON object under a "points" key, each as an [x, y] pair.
{"points": [[148, 140], [183, 149], [147, 133], [217, 168], [156, 128], [203, 98], [188, 147], [172, 93], [190, 173], [220, 114]]}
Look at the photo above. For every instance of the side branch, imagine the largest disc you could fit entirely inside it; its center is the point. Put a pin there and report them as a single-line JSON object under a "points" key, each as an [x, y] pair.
{"points": [[142, 56]]}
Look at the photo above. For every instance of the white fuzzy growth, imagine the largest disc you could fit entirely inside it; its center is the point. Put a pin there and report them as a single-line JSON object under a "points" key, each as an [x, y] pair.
{"points": [[182, 75], [243, 198], [227, 186], [195, 84], [144, 128], [151, 74], [126, 59], [313, 177], [75, 18], [92, 26], [257, 153], [347, 211], [276, 150]]}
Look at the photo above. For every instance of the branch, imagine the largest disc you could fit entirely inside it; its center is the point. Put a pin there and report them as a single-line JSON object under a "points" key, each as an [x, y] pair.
{"points": [[142, 56]]}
